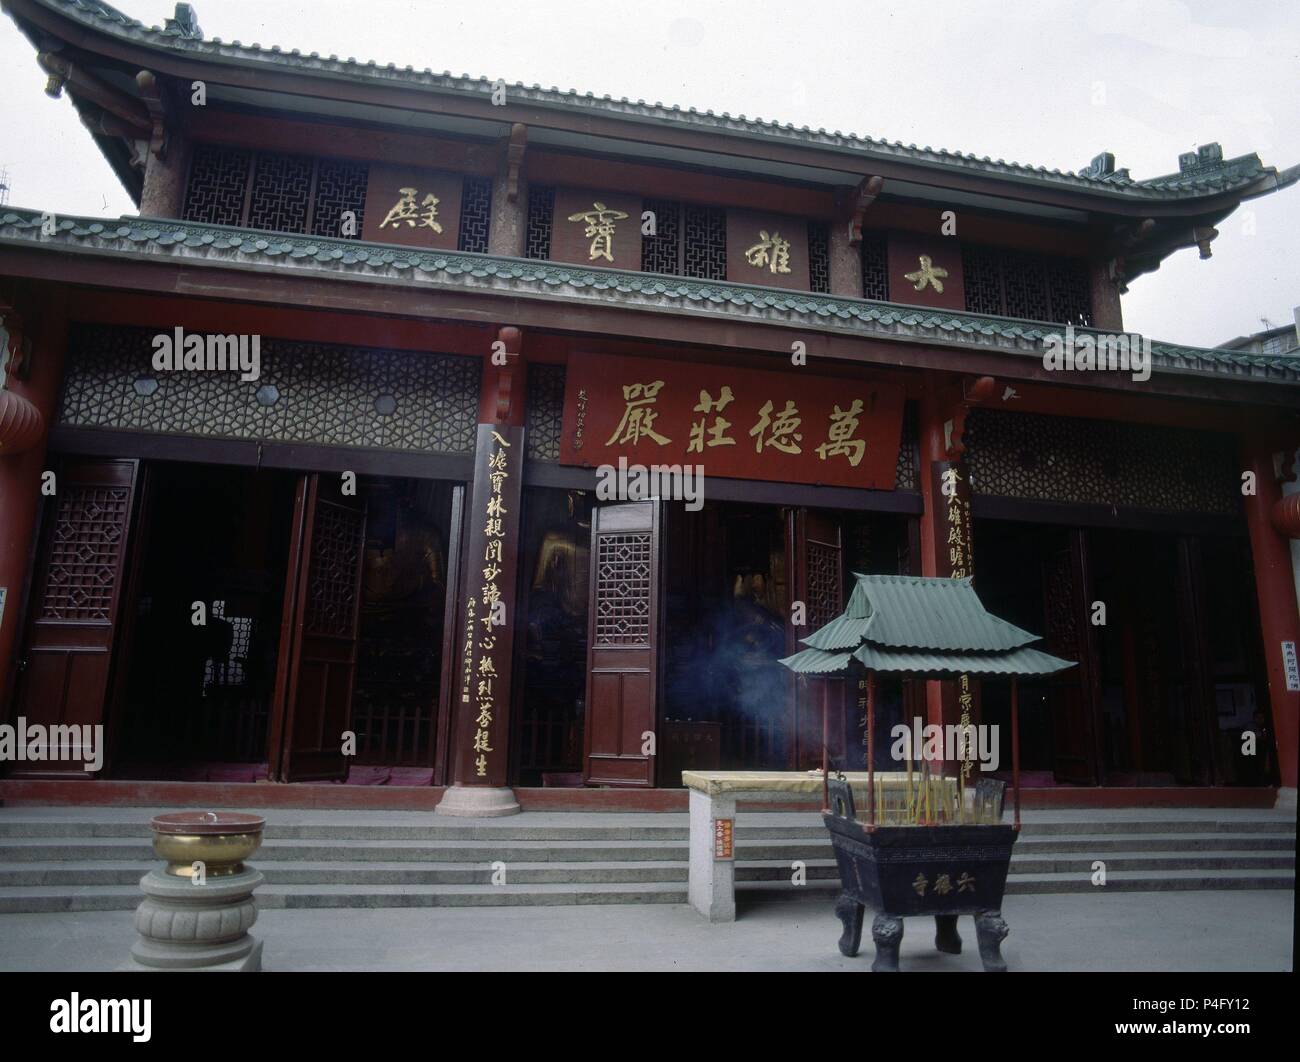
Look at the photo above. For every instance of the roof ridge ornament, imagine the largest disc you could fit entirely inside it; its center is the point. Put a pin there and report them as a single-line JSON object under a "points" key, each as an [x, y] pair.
{"points": [[185, 23]]}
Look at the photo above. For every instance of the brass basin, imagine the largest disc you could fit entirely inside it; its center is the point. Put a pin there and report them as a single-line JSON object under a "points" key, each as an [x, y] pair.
{"points": [[220, 840]]}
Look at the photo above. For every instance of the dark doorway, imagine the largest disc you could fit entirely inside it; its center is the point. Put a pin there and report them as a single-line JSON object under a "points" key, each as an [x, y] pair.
{"points": [[733, 573], [202, 701], [216, 538]]}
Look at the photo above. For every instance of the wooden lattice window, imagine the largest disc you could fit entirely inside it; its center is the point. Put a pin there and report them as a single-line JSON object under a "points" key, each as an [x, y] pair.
{"points": [[905, 469], [819, 257], [875, 267], [545, 411], [662, 252], [268, 190], [1028, 286], [338, 538], [85, 553], [704, 250], [475, 214], [1101, 462], [541, 208], [623, 572], [825, 600]]}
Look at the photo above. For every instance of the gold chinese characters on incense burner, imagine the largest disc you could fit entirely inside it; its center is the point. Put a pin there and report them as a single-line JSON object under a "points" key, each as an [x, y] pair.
{"points": [[219, 840]]}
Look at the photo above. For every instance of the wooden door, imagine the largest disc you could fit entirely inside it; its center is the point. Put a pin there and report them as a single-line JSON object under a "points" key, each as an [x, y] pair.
{"points": [[622, 644], [817, 579], [318, 633], [66, 665], [1072, 697]]}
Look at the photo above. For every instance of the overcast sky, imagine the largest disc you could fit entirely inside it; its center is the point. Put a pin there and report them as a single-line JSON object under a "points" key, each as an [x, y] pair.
{"points": [[1046, 82]]}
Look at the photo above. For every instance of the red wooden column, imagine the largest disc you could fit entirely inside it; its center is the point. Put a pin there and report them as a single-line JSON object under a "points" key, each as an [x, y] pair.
{"points": [[1275, 588], [946, 533], [42, 327], [486, 616]]}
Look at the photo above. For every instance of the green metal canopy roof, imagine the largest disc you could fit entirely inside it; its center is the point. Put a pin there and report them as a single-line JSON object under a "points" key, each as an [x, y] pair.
{"points": [[921, 626]]}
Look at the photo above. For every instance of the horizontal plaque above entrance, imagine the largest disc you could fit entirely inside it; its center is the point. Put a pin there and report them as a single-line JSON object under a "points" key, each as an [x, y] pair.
{"points": [[786, 427]]}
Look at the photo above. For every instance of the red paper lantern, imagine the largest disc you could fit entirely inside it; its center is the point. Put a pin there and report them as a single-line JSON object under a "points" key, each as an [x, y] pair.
{"points": [[1286, 515], [20, 424]]}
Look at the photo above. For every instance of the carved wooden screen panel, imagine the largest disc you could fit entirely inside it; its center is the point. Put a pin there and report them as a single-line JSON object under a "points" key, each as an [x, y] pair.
{"points": [[1019, 284], [623, 644], [281, 193], [662, 252], [544, 417], [79, 581], [1100, 462], [819, 257], [537, 231], [340, 187], [318, 659], [982, 275], [818, 581], [307, 392], [704, 253], [475, 214], [875, 267], [905, 468], [217, 185]]}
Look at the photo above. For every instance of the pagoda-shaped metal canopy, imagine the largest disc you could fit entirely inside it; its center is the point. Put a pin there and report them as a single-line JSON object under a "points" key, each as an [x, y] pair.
{"points": [[922, 626]]}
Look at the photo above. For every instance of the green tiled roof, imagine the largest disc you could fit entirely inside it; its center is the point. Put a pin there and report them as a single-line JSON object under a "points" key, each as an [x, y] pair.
{"points": [[224, 246], [184, 36], [921, 626]]}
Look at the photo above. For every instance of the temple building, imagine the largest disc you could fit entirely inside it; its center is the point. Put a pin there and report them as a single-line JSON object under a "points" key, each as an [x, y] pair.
{"points": [[367, 451]]}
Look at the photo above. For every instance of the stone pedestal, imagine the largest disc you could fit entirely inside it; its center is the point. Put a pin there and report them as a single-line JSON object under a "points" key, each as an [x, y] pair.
{"points": [[711, 887], [478, 801], [184, 926], [199, 908]]}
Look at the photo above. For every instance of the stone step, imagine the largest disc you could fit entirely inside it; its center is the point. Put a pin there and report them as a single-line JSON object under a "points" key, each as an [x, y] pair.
{"points": [[52, 849], [45, 899], [14, 824], [56, 898], [342, 872], [1065, 882]]}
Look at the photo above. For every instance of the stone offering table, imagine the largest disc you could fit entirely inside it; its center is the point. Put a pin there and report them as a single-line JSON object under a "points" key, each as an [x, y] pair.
{"points": [[712, 883]]}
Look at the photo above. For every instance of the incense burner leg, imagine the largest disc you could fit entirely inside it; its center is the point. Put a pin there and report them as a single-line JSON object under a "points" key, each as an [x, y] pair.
{"points": [[851, 913], [887, 932], [946, 937], [991, 930]]}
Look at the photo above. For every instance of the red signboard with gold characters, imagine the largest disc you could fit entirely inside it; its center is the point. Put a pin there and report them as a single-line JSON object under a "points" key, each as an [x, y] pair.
{"points": [[786, 427]]}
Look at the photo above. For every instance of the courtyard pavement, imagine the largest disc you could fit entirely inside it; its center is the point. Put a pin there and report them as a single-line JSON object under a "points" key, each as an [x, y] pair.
{"points": [[1161, 931]]}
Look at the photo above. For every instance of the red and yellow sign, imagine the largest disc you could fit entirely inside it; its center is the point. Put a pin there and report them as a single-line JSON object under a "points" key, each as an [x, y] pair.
{"points": [[786, 427]]}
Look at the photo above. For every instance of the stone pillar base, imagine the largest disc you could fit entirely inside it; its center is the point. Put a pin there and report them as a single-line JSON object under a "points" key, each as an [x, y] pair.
{"points": [[1286, 798], [478, 801], [184, 926], [250, 963]]}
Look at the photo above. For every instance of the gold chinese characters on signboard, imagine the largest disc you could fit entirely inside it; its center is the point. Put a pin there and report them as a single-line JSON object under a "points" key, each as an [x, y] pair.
{"points": [[640, 414], [600, 221], [405, 211], [772, 252], [929, 273], [484, 677]]}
